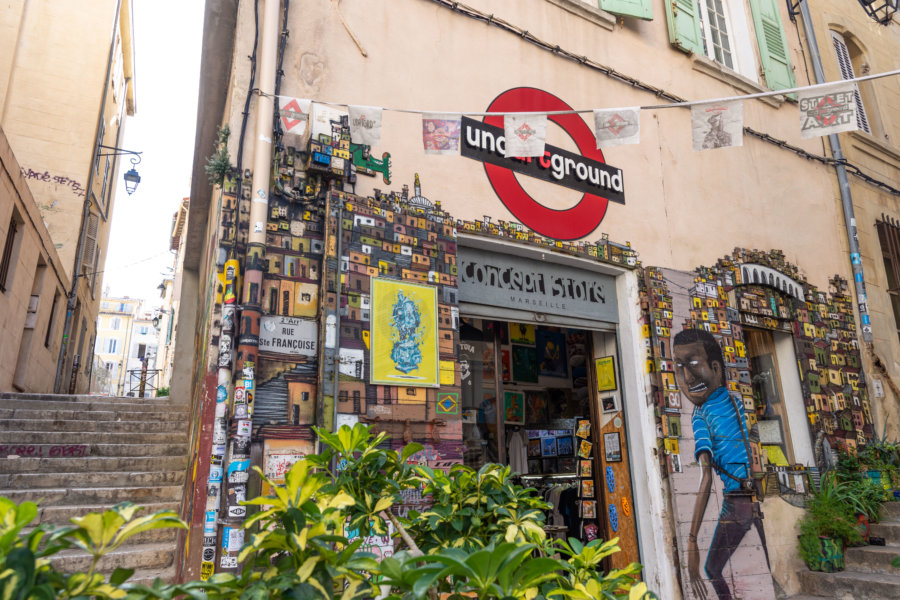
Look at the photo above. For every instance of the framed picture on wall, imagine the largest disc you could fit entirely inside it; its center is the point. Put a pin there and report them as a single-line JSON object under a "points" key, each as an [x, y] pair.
{"points": [[612, 447], [610, 404], [606, 374]]}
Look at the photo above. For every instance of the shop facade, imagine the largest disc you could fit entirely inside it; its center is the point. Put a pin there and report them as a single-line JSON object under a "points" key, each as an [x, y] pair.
{"points": [[530, 313]]}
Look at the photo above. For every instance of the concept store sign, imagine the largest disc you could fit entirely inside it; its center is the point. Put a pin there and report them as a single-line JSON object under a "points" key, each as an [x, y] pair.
{"points": [[525, 284], [586, 172]]}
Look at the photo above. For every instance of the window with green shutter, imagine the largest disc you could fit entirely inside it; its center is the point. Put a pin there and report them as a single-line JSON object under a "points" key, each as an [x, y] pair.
{"points": [[773, 48], [683, 19], [642, 9]]}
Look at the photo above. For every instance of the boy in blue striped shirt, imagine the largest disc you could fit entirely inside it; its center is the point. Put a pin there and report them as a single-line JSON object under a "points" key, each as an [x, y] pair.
{"points": [[721, 444]]}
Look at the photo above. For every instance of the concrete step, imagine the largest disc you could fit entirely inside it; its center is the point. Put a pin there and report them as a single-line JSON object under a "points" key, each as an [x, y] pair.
{"points": [[76, 450], [91, 403], [100, 437], [79, 398], [153, 536], [890, 510], [148, 576], [102, 478], [95, 495], [139, 556], [76, 414], [889, 530], [870, 586], [60, 515], [871, 559], [123, 426], [92, 464]]}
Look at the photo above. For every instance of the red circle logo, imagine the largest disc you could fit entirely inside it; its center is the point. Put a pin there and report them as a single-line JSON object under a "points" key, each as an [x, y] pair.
{"points": [[572, 223]]}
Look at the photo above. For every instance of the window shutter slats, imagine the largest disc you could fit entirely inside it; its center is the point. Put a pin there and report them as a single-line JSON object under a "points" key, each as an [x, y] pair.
{"points": [[641, 9], [773, 49], [846, 66], [683, 20], [90, 243]]}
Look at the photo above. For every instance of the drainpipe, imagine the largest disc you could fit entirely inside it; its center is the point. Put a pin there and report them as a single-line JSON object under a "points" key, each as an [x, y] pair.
{"points": [[238, 462], [72, 300], [859, 280]]}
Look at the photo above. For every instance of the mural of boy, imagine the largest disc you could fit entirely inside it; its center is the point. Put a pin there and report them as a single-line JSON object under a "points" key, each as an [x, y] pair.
{"points": [[721, 445]]}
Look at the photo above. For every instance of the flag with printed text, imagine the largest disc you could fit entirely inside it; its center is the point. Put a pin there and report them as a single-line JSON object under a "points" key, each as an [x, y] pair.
{"points": [[827, 110], [294, 114]]}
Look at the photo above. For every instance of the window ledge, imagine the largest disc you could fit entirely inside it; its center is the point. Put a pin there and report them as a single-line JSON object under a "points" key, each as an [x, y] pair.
{"points": [[732, 78], [869, 144], [587, 12]]}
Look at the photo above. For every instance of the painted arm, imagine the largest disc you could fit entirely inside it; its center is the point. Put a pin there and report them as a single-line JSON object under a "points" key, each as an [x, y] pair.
{"points": [[697, 585]]}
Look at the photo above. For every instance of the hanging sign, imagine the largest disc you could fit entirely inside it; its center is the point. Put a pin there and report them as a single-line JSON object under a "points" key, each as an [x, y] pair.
{"points": [[585, 171]]}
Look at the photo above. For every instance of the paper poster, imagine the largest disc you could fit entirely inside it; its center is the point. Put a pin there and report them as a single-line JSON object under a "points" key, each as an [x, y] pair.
{"points": [[548, 446], [520, 333], [514, 407], [717, 125], [440, 133], [365, 125], [584, 449], [617, 127], [525, 364], [404, 333], [525, 134], [584, 429], [294, 115], [587, 488], [606, 374], [827, 110], [565, 446], [585, 468], [551, 348]]}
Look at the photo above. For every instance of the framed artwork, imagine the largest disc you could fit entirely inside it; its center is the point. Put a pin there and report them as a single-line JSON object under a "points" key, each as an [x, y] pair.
{"points": [[524, 364], [606, 373], [520, 333], [610, 404], [534, 466], [584, 449], [536, 407], [587, 488], [588, 509], [584, 429], [487, 363], [612, 447], [551, 351], [514, 407], [564, 446], [506, 365], [566, 464], [548, 446], [404, 333], [534, 448], [549, 465], [585, 468]]}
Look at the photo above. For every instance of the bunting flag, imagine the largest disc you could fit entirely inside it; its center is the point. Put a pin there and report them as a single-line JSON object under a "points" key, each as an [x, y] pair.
{"points": [[828, 110], [440, 134], [717, 125], [294, 114], [525, 135], [617, 126], [365, 125]]}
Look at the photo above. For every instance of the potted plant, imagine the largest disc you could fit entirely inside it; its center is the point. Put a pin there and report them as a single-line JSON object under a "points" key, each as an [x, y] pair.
{"points": [[829, 525]]}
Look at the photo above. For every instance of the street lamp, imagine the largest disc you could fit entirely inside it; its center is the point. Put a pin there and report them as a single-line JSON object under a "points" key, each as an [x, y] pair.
{"points": [[880, 10], [132, 177]]}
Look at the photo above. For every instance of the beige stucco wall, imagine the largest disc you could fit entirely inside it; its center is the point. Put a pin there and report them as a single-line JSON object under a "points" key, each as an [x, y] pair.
{"points": [[26, 363], [683, 209], [878, 155]]}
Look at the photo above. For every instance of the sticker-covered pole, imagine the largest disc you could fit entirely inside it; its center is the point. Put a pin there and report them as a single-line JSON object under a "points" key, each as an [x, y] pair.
{"points": [[237, 465]]}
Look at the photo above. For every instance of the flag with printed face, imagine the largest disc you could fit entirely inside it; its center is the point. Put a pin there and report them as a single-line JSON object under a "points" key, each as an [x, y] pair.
{"points": [[294, 114], [617, 126], [717, 125], [365, 125], [440, 134], [827, 110], [525, 135]]}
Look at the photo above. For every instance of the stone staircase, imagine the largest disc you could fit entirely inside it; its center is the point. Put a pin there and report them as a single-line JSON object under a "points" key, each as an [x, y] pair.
{"points": [[867, 570], [78, 454]]}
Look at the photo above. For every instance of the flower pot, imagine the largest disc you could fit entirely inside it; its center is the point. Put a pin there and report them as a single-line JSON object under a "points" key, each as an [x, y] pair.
{"points": [[830, 557]]}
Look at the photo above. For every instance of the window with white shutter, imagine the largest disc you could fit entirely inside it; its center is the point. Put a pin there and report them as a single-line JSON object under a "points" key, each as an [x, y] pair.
{"points": [[846, 65], [90, 244]]}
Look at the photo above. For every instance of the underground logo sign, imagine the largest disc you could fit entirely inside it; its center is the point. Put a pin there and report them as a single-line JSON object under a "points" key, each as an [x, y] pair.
{"points": [[586, 172]]}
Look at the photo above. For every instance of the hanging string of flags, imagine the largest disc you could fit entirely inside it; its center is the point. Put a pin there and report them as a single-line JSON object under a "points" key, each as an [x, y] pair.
{"points": [[717, 123]]}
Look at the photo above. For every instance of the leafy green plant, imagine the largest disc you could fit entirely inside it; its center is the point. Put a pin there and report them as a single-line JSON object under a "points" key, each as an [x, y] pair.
{"points": [[831, 512], [473, 509], [218, 165]]}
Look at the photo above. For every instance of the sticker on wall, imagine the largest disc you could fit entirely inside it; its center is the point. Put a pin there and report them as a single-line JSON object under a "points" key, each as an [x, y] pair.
{"points": [[448, 403], [613, 517], [610, 480], [404, 333], [626, 507]]}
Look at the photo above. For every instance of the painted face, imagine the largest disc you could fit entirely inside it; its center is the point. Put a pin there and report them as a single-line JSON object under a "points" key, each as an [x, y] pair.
{"points": [[696, 376]]}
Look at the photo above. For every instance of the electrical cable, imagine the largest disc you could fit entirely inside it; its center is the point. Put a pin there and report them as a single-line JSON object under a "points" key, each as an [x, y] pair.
{"points": [[246, 114]]}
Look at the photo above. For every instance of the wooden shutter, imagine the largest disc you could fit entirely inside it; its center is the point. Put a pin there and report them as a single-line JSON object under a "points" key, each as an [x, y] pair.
{"points": [[642, 9], [90, 243], [683, 19], [773, 48], [846, 65]]}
